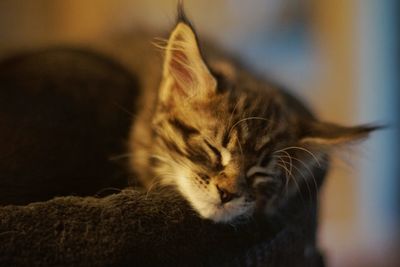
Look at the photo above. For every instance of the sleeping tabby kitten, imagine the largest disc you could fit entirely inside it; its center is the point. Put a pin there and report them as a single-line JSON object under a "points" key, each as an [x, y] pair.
{"points": [[229, 142]]}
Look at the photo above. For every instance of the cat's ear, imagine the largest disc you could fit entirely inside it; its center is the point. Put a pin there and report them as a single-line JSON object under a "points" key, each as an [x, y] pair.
{"points": [[185, 73], [329, 134]]}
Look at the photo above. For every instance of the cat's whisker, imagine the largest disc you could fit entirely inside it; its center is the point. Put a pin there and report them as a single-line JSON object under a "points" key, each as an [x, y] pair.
{"points": [[287, 174], [157, 183], [233, 113], [162, 44], [305, 180], [153, 183], [307, 184], [297, 187], [232, 224], [310, 172], [160, 40], [161, 47], [290, 165], [164, 174], [290, 159], [243, 120], [121, 156], [302, 149], [241, 151], [125, 110], [291, 175], [287, 171], [161, 158]]}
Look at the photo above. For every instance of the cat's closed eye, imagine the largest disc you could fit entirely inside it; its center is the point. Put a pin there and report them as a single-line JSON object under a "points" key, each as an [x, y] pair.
{"points": [[258, 172]]}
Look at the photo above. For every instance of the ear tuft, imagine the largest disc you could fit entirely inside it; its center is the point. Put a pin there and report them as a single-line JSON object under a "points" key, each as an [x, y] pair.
{"points": [[181, 15], [329, 134]]}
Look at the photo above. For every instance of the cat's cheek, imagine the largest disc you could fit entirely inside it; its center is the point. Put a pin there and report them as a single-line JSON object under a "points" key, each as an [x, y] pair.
{"points": [[199, 198]]}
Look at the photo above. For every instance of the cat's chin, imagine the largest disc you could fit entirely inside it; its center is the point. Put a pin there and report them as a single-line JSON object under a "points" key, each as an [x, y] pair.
{"points": [[224, 213], [208, 204]]}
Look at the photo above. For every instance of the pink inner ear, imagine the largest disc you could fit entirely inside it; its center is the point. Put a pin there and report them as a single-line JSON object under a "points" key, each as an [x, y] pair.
{"points": [[180, 67]]}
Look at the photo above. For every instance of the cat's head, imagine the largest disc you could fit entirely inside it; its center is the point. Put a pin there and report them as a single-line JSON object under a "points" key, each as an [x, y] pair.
{"points": [[227, 146]]}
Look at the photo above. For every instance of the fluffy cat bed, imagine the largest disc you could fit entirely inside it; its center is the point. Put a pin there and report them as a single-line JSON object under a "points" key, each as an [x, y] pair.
{"points": [[63, 115], [132, 228]]}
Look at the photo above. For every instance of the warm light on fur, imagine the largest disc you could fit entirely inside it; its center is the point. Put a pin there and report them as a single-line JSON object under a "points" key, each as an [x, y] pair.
{"points": [[229, 143]]}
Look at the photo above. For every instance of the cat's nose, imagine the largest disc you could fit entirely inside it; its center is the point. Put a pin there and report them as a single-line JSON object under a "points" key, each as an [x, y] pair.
{"points": [[225, 195]]}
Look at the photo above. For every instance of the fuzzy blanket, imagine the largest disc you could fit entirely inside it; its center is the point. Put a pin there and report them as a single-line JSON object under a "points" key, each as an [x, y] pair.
{"points": [[133, 228]]}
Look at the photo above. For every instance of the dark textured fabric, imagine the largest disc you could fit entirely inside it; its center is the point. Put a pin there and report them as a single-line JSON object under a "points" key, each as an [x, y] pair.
{"points": [[64, 117], [135, 228]]}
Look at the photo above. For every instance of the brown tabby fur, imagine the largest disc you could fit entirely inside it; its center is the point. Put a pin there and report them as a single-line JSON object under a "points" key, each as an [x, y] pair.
{"points": [[230, 142]]}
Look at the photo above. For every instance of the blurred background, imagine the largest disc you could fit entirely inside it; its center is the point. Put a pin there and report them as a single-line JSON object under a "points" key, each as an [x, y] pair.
{"points": [[340, 57]]}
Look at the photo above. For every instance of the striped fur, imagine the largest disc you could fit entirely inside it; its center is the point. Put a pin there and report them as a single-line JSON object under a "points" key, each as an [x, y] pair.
{"points": [[225, 141]]}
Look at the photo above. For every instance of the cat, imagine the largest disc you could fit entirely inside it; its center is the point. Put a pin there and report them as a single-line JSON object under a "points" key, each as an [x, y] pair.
{"points": [[229, 142]]}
